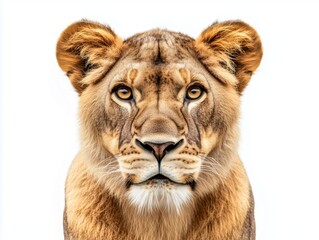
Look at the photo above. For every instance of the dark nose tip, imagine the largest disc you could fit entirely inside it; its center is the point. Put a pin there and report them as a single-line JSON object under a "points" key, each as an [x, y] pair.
{"points": [[158, 149]]}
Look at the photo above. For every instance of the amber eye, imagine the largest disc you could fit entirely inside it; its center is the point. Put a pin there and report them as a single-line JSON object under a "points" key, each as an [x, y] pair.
{"points": [[194, 92], [124, 92]]}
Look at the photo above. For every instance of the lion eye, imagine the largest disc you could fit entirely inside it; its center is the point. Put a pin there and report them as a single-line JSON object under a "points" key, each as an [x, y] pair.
{"points": [[124, 93], [194, 92]]}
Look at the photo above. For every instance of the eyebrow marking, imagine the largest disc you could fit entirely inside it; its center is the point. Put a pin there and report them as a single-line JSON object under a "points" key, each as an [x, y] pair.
{"points": [[132, 75], [185, 74]]}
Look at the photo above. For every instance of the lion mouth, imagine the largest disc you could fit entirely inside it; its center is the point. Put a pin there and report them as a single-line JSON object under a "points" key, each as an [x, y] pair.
{"points": [[160, 179]]}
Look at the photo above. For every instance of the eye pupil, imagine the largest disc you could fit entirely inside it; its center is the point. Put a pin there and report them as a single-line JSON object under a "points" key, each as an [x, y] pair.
{"points": [[123, 91], [194, 91]]}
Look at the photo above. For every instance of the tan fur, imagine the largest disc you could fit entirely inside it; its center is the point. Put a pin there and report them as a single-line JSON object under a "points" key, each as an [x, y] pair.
{"points": [[206, 193]]}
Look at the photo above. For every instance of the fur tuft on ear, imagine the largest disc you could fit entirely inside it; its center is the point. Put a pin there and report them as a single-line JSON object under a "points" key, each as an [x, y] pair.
{"points": [[86, 51], [230, 47]]}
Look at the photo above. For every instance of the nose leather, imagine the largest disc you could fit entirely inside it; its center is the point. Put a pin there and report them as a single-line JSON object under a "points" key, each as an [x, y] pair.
{"points": [[159, 150]]}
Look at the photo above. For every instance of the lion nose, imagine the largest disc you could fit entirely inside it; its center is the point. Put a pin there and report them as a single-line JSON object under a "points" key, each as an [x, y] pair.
{"points": [[158, 149]]}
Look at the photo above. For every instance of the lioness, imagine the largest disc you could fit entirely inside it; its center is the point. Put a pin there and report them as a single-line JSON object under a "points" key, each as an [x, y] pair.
{"points": [[159, 133]]}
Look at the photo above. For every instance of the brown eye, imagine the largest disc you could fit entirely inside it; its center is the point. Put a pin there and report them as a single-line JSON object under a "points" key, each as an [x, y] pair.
{"points": [[194, 92], [124, 93]]}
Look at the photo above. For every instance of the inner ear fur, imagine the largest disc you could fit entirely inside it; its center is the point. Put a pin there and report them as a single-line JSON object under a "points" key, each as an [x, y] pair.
{"points": [[87, 47], [230, 48]]}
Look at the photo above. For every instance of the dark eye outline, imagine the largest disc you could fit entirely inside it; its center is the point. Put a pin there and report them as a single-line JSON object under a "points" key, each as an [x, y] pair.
{"points": [[122, 86], [200, 87]]}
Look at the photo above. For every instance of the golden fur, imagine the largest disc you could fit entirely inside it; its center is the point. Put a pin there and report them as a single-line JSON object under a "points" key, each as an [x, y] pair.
{"points": [[159, 165]]}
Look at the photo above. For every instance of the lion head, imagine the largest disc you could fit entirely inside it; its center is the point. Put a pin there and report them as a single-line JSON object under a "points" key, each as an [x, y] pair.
{"points": [[159, 110]]}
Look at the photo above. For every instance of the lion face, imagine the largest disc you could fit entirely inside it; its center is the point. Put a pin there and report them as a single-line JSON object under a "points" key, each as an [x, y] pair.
{"points": [[159, 110], [159, 147]]}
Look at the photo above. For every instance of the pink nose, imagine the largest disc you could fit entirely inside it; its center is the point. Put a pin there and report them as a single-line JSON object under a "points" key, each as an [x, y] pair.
{"points": [[158, 149]]}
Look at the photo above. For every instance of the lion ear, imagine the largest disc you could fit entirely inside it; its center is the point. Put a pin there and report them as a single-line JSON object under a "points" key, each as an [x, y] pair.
{"points": [[85, 51], [230, 47]]}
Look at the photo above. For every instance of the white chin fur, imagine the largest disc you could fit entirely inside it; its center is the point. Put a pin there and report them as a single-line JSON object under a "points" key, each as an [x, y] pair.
{"points": [[149, 198]]}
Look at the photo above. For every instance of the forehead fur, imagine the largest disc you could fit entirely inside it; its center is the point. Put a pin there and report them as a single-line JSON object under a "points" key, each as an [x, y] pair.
{"points": [[159, 46]]}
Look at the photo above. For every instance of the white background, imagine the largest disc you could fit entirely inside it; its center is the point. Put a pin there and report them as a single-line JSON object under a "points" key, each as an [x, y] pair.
{"points": [[279, 123]]}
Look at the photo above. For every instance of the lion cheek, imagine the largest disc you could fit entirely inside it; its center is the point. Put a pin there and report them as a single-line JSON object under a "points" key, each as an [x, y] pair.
{"points": [[111, 142], [209, 140]]}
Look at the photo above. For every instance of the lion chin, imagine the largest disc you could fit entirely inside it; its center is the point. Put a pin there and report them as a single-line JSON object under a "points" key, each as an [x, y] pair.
{"points": [[158, 194]]}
